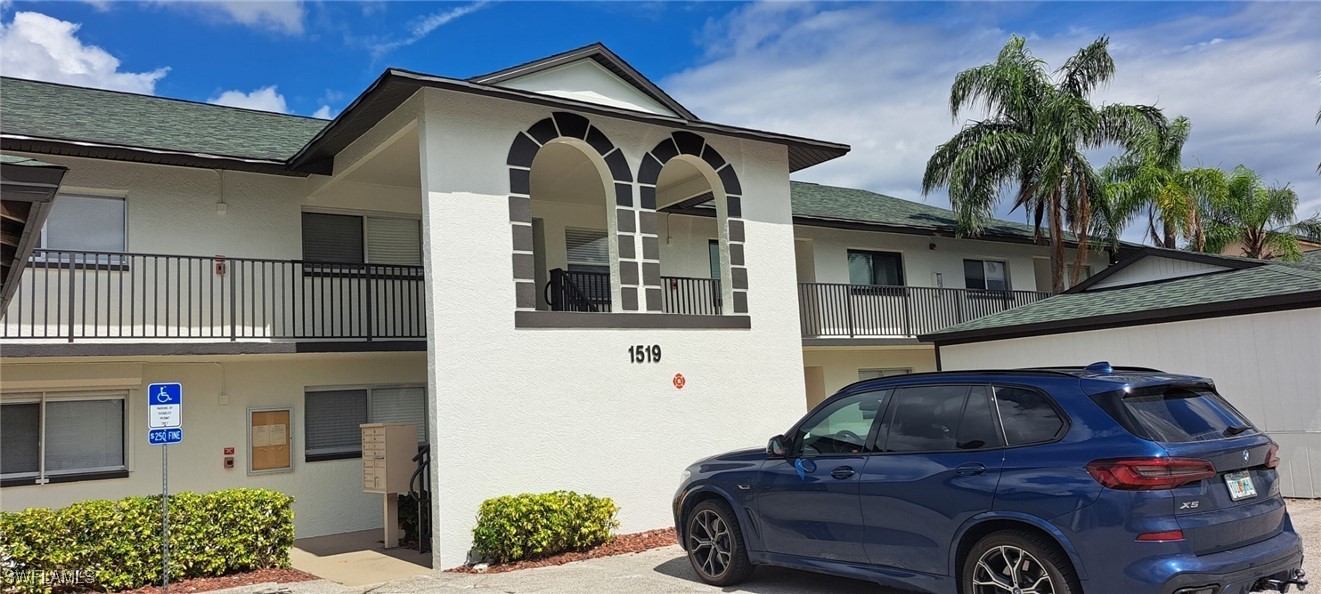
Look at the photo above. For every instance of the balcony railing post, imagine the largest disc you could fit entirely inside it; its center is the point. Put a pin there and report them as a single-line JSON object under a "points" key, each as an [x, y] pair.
{"points": [[370, 313], [73, 288], [233, 303], [848, 310]]}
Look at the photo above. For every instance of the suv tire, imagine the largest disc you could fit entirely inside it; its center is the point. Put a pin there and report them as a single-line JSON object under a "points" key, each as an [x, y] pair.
{"points": [[715, 544], [1017, 562]]}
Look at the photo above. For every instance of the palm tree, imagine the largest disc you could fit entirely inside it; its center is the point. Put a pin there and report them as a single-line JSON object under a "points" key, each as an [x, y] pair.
{"points": [[1037, 128], [1151, 177], [1260, 218]]}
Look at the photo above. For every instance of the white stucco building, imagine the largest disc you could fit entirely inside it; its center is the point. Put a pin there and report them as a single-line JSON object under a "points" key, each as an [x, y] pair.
{"points": [[1253, 326], [564, 277]]}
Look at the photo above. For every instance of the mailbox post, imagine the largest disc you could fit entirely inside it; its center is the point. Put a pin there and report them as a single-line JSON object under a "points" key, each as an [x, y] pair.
{"points": [[387, 465]]}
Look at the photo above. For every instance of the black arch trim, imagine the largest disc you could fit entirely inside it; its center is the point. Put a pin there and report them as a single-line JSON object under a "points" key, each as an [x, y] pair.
{"points": [[571, 124], [522, 151], [689, 143], [665, 150], [598, 141], [544, 131], [649, 172]]}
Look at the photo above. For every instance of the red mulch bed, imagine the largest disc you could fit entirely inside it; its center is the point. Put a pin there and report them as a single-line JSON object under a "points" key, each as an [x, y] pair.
{"points": [[622, 544], [260, 576]]}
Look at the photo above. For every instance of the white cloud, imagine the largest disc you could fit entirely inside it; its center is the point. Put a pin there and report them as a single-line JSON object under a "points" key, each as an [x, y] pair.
{"points": [[423, 26], [40, 47], [854, 74], [323, 112], [281, 16], [263, 99]]}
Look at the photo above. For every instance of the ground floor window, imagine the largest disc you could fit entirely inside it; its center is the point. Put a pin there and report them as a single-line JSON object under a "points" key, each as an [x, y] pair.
{"points": [[866, 374], [333, 415], [61, 436]]}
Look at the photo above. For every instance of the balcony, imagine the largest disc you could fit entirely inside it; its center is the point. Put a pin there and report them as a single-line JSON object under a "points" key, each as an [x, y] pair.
{"points": [[830, 310], [124, 297], [590, 291]]}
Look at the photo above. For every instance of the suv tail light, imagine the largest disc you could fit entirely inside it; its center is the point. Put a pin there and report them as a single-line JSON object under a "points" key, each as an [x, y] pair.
{"points": [[1273, 456], [1149, 474]]}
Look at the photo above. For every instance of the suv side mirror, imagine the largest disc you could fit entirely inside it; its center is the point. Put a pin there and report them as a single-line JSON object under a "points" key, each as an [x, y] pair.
{"points": [[775, 447]]}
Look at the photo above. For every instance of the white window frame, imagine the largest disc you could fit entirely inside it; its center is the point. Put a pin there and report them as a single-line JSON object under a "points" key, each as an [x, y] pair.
{"points": [[884, 371], [43, 244], [366, 214], [41, 477], [370, 389]]}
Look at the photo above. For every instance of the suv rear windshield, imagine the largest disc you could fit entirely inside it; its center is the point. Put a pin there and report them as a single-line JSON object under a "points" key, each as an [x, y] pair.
{"points": [[1175, 414]]}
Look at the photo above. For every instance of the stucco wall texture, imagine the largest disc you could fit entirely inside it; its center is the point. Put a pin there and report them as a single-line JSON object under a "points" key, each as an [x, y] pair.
{"points": [[1267, 364], [529, 410], [218, 391]]}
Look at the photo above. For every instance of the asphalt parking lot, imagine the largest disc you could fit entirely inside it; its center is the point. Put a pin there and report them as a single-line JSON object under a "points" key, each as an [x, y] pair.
{"points": [[666, 570]]}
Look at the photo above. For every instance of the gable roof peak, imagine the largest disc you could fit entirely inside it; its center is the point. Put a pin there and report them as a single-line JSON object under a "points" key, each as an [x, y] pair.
{"points": [[599, 53]]}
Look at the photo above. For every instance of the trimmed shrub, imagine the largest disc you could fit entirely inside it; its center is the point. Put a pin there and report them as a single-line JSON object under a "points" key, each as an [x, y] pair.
{"points": [[518, 527], [118, 543]]}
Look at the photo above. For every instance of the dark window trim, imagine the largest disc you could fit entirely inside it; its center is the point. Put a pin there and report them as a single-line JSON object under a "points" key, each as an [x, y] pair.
{"points": [[332, 456], [65, 478], [900, 255], [1059, 411]]}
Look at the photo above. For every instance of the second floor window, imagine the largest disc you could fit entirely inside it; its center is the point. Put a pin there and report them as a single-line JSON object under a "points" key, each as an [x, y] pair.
{"points": [[986, 275], [876, 268], [84, 223], [586, 250], [359, 239]]}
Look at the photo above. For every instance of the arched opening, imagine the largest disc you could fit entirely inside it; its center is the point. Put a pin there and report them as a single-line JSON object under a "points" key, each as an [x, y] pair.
{"points": [[694, 254], [573, 256]]}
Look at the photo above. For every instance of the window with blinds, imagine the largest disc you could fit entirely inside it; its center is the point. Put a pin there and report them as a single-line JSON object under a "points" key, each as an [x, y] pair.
{"points": [[81, 434], [357, 239], [332, 417], [587, 250]]}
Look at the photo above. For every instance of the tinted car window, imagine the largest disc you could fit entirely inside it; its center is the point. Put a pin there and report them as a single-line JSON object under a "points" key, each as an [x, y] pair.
{"points": [[842, 426], [1181, 415], [977, 429], [1027, 416], [926, 419]]}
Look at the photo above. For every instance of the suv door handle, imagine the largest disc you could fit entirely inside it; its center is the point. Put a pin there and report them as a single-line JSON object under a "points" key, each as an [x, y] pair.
{"points": [[970, 469], [842, 472]]}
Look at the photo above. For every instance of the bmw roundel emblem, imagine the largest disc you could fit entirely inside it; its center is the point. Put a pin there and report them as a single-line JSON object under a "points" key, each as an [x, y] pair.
{"points": [[1246, 455]]}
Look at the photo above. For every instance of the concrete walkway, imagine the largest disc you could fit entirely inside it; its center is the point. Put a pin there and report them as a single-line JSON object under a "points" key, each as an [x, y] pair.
{"points": [[357, 559], [667, 570]]}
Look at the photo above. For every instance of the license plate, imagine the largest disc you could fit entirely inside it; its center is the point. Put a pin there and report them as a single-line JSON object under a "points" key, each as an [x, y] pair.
{"points": [[1240, 485]]}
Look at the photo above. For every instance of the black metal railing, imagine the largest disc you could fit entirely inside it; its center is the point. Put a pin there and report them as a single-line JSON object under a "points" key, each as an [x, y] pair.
{"points": [[829, 310], [691, 296], [578, 291], [74, 295]]}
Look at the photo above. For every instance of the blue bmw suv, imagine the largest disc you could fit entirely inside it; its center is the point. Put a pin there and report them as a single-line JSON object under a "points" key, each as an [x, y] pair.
{"points": [[1032, 481]]}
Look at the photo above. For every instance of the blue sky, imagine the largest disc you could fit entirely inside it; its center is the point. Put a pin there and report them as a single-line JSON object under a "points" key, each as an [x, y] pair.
{"points": [[874, 75]]}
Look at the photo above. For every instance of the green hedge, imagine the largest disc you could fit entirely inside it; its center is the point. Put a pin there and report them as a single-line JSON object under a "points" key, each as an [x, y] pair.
{"points": [[526, 526], [119, 542]]}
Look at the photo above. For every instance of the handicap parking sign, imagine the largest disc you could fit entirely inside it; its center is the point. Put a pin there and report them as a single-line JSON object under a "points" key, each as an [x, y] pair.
{"points": [[164, 406], [164, 436]]}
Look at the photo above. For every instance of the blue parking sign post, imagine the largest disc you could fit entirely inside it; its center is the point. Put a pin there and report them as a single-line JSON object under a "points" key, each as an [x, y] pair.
{"points": [[165, 426]]}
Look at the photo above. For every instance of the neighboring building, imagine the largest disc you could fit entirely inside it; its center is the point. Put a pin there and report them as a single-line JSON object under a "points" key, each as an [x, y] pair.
{"points": [[566, 279], [1254, 326], [845, 238], [1304, 245]]}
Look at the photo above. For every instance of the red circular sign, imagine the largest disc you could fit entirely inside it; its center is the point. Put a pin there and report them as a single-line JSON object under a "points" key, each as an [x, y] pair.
{"points": [[679, 381]]}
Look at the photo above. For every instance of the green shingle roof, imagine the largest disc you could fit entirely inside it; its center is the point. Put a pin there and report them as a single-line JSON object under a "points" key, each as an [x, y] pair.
{"points": [[54, 111], [831, 203], [24, 161], [1268, 279]]}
